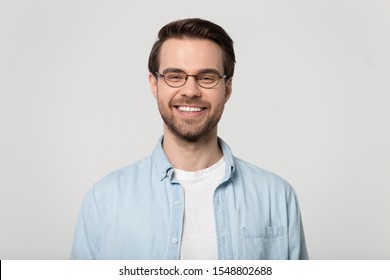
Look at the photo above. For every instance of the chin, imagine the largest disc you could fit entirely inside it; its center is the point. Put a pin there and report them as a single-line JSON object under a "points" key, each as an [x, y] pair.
{"points": [[193, 136]]}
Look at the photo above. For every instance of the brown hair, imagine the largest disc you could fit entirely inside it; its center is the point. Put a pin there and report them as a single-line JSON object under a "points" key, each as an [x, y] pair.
{"points": [[194, 28]]}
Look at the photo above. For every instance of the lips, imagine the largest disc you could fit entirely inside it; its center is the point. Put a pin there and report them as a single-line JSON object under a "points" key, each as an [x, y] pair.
{"points": [[190, 108]]}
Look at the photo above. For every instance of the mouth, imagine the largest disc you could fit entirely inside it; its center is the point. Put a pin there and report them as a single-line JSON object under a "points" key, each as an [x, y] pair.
{"points": [[190, 108]]}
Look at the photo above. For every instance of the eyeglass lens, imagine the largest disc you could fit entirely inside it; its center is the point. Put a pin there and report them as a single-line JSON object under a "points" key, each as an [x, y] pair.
{"points": [[204, 79]]}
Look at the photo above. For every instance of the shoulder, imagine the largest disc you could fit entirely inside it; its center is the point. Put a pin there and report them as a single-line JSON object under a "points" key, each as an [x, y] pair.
{"points": [[261, 178], [120, 179]]}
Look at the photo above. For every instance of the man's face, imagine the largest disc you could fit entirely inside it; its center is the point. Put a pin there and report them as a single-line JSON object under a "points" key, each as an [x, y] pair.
{"points": [[190, 112]]}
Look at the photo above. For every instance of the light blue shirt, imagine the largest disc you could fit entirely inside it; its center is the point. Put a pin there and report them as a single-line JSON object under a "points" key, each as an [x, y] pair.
{"points": [[137, 213]]}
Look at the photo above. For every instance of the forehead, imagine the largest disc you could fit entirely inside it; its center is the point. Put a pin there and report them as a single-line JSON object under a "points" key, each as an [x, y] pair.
{"points": [[191, 55]]}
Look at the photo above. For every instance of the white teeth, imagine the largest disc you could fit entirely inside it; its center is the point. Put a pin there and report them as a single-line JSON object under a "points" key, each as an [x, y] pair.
{"points": [[189, 109]]}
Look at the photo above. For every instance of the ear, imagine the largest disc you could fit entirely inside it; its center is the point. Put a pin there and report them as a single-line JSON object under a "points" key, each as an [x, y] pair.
{"points": [[228, 89], [153, 84]]}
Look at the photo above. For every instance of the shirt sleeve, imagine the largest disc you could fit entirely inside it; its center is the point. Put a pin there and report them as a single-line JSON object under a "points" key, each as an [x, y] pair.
{"points": [[297, 245], [86, 240]]}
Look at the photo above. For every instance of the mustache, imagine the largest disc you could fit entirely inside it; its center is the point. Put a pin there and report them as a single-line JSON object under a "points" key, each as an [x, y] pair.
{"points": [[187, 101]]}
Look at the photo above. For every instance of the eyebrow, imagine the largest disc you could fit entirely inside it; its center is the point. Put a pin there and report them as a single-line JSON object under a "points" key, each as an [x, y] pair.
{"points": [[177, 70]]}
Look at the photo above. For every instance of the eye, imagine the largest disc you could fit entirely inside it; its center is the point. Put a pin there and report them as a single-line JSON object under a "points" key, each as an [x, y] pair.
{"points": [[207, 78], [174, 76]]}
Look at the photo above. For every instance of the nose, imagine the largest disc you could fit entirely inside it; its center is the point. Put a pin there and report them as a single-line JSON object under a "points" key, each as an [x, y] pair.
{"points": [[191, 87]]}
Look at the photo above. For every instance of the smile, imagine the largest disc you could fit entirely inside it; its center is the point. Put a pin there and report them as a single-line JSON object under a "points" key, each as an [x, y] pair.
{"points": [[189, 109]]}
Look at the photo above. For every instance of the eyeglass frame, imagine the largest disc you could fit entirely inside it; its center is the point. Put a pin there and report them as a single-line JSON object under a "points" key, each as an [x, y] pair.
{"points": [[220, 76]]}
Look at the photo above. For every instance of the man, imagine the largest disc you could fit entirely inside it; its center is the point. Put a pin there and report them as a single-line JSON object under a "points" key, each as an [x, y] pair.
{"points": [[191, 199]]}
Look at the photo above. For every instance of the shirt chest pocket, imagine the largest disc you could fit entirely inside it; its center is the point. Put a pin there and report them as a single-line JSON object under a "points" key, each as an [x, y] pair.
{"points": [[264, 243]]}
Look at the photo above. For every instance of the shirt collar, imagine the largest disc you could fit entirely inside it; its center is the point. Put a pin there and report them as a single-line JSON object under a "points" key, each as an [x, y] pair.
{"points": [[229, 159], [165, 168]]}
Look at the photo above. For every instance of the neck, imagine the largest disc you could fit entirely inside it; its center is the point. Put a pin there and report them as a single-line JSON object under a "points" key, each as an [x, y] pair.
{"points": [[192, 156]]}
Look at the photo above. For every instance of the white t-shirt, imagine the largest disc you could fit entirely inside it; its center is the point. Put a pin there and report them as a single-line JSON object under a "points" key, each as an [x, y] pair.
{"points": [[199, 239]]}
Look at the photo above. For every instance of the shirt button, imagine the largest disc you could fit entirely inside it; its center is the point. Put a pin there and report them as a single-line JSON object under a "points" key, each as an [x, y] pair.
{"points": [[174, 240], [177, 203]]}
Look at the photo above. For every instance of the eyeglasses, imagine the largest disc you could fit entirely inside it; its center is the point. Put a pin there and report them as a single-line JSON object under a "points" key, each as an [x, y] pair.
{"points": [[177, 78]]}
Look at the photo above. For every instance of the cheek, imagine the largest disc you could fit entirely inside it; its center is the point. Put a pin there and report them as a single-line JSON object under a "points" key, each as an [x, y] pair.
{"points": [[168, 95], [219, 102], [164, 98]]}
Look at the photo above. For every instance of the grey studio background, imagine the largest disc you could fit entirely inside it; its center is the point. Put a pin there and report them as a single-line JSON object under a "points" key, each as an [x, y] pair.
{"points": [[310, 102]]}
